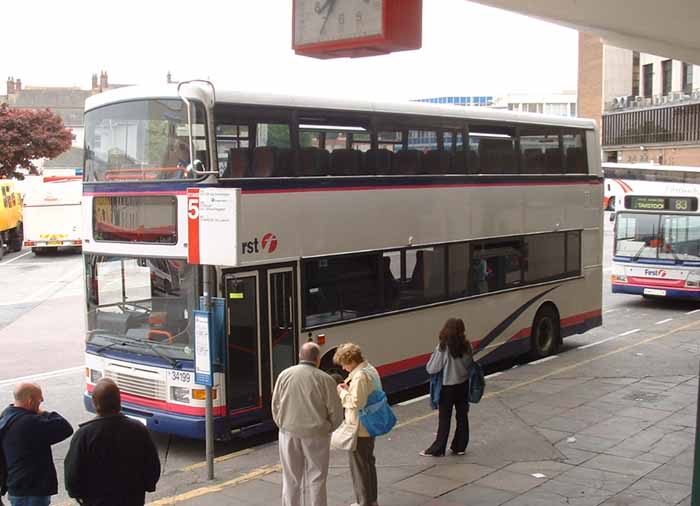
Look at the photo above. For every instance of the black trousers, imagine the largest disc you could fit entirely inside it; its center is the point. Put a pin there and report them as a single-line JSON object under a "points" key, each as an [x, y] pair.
{"points": [[452, 396], [364, 472]]}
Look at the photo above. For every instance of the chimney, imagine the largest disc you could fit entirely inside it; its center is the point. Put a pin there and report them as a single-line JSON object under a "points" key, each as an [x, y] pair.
{"points": [[94, 82], [103, 81], [18, 85], [170, 77], [10, 85]]}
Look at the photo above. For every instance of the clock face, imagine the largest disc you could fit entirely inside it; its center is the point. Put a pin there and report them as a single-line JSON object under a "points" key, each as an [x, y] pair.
{"points": [[330, 20]]}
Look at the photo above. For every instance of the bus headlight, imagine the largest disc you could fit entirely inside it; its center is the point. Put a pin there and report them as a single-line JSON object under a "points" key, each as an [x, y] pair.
{"points": [[692, 283], [95, 375], [619, 277], [180, 394]]}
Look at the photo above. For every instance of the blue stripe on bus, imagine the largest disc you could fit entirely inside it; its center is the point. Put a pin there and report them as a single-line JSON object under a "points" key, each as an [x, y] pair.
{"points": [[339, 182], [670, 293], [651, 261]]}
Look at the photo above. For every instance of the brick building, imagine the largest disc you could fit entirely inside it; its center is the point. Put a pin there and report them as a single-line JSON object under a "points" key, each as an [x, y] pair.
{"points": [[648, 106]]}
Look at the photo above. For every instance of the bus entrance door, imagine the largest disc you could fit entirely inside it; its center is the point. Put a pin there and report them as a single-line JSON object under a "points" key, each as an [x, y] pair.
{"points": [[261, 309]]}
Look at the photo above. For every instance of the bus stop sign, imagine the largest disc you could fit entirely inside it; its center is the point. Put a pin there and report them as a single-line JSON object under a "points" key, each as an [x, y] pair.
{"points": [[212, 225]]}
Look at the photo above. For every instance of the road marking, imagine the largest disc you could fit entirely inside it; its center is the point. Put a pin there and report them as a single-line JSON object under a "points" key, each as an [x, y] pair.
{"points": [[491, 395], [633, 331], [661, 322], [494, 374], [597, 343], [42, 375], [611, 311], [693, 311], [414, 400], [223, 458], [199, 492], [263, 471], [34, 297], [16, 258], [543, 360]]}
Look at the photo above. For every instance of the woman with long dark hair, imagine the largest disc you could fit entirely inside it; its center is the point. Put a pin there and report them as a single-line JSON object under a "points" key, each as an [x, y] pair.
{"points": [[452, 358]]}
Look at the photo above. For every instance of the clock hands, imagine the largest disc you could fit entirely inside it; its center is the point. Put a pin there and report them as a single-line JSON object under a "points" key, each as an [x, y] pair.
{"points": [[328, 6]]}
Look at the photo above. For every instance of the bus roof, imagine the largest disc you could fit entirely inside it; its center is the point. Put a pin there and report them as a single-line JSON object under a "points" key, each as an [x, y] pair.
{"points": [[649, 167], [658, 188], [269, 99]]}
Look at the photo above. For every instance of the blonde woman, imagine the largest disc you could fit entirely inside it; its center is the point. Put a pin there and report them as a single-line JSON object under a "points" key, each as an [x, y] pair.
{"points": [[360, 383]]}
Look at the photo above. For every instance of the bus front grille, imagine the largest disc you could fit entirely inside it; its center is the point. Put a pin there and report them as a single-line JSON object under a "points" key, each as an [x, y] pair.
{"points": [[137, 385]]}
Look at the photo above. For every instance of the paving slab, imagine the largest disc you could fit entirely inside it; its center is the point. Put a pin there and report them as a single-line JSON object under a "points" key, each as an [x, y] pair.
{"points": [[462, 473], [598, 479], [549, 468], [476, 495], [509, 481], [431, 486], [682, 475], [657, 490], [620, 465]]}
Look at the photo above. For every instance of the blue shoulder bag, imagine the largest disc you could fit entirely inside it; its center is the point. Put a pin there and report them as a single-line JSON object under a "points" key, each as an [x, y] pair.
{"points": [[377, 416]]}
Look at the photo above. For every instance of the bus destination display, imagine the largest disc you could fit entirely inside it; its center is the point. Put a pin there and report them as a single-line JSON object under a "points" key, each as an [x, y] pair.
{"points": [[662, 203]]}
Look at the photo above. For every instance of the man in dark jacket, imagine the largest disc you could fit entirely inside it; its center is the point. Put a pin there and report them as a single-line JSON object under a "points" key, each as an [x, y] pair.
{"points": [[112, 460], [26, 435]]}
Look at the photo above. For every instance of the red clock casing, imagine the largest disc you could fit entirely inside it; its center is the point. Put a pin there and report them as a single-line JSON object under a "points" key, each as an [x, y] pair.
{"points": [[402, 31]]}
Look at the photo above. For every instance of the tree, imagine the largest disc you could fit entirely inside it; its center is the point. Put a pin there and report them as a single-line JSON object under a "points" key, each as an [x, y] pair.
{"points": [[27, 135]]}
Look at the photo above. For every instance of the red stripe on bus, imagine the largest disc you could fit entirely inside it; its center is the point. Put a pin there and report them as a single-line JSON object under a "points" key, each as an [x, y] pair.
{"points": [[421, 360], [193, 227], [164, 405]]}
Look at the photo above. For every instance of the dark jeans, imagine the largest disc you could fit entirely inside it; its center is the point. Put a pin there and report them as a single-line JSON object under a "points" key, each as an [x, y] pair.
{"points": [[31, 500], [364, 471], [452, 396]]}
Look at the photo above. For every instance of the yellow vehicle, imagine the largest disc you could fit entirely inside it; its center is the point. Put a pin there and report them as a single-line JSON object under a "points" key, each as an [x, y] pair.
{"points": [[11, 234]]}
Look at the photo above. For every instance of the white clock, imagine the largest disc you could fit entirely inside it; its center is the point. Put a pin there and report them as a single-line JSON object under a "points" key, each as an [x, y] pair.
{"points": [[319, 21]]}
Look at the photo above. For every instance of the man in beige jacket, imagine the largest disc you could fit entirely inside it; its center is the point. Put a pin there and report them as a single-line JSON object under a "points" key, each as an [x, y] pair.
{"points": [[307, 409]]}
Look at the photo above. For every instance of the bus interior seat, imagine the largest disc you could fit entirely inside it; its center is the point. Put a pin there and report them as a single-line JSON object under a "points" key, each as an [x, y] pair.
{"points": [[436, 162], [574, 161], [285, 163], [552, 161], [238, 162], [533, 161], [473, 162], [346, 162], [459, 163], [264, 158], [408, 161], [314, 161], [378, 161]]}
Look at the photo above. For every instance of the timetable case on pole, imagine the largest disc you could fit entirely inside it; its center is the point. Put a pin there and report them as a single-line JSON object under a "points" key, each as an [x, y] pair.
{"points": [[203, 372]]}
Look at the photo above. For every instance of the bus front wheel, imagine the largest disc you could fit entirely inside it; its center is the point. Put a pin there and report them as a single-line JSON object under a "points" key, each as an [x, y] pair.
{"points": [[546, 332]]}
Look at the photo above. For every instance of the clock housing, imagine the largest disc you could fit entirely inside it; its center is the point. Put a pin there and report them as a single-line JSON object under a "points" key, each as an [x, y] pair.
{"points": [[355, 28]]}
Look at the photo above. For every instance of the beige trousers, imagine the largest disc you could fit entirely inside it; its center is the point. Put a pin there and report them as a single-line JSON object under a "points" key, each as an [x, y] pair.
{"points": [[304, 469]]}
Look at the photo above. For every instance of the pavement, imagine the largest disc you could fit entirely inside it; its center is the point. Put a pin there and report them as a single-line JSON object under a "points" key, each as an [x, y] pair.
{"points": [[608, 423]]}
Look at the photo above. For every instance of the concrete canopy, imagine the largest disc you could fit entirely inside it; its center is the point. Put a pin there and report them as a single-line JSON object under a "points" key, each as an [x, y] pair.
{"points": [[669, 28]]}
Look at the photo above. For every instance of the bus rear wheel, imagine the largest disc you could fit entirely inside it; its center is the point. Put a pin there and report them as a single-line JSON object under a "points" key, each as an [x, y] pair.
{"points": [[546, 333], [16, 239]]}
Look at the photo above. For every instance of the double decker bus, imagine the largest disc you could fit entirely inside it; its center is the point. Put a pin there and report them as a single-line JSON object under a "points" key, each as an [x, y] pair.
{"points": [[347, 232], [657, 240]]}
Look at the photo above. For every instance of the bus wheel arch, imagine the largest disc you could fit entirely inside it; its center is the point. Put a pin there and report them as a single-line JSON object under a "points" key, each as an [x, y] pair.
{"points": [[545, 336], [327, 364]]}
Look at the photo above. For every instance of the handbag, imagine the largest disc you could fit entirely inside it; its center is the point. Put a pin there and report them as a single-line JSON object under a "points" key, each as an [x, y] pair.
{"points": [[435, 389], [345, 437], [377, 416]]}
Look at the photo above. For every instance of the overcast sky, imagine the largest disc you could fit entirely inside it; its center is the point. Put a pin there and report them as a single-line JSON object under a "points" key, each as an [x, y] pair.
{"points": [[468, 49]]}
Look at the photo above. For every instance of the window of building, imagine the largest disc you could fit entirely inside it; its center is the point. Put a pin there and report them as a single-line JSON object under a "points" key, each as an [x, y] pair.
{"points": [[666, 76], [635, 73], [572, 109], [540, 150], [556, 109], [648, 70], [687, 82]]}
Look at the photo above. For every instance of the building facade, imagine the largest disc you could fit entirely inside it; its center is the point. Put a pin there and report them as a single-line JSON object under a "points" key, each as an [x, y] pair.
{"points": [[648, 106], [66, 102], [470, 101], [558, 104]]}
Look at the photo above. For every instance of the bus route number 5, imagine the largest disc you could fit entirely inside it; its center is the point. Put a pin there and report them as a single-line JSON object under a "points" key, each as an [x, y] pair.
{"points": [[193, 208]]}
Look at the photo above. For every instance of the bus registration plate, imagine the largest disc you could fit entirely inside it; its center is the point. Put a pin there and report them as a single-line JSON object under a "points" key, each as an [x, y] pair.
{"points": [[654, 291]]}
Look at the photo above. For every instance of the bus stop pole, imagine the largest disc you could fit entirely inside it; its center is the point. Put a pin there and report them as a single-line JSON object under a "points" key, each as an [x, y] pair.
{"points": [[695, 500], [209, 402]]}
